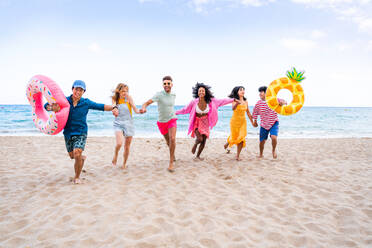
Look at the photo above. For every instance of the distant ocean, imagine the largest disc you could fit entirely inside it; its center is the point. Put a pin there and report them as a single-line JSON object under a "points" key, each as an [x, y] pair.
{"points": [[309, 122]]}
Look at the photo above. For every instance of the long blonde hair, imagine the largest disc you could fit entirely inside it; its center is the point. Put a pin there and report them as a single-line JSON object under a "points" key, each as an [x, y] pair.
{"points": [[116, 93]]}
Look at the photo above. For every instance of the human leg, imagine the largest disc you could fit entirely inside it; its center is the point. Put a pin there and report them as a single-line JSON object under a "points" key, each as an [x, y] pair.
{"points": [[172, 147], [238, 150], [202, 145], [263, 137], [198, 140], [78, 145], [128, 141], [78, 164], [166, 137], [274, 130], [274, 141], [119, 142], [262, 146]]}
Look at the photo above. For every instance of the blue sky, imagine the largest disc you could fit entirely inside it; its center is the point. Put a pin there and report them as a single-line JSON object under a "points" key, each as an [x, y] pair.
{"points": [[223, 43]]}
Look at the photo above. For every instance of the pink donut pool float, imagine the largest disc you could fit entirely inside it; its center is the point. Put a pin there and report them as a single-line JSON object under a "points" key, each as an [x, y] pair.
{"points": [[48, 122]]}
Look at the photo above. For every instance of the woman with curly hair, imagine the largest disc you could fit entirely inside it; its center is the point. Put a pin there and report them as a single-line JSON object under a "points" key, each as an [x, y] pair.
{"points": [[203, 114], [238, 122]]}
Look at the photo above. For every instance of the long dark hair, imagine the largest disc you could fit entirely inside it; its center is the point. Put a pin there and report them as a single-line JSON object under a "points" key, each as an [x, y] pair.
{"points": [[234, 93], [208, 94]]}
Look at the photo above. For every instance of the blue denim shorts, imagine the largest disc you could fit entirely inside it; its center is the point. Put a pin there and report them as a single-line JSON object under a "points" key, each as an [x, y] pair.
{"points": [[75, 141], [274, 130]]}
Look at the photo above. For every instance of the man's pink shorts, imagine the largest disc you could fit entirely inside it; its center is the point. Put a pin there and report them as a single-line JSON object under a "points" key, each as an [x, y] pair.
{"points": [[164, 126]]}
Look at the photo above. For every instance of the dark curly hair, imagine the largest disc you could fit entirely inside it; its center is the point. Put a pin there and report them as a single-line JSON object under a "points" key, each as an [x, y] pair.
{"points": [[234, 93], [208, 94]]}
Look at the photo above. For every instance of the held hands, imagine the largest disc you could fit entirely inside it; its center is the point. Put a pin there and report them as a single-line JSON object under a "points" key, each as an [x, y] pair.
{"points": [[254, 123], [142, 110], [115, 112]]}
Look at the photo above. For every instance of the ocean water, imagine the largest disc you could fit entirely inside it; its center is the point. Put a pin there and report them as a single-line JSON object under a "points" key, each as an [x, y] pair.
{"points": [[309, 122]]}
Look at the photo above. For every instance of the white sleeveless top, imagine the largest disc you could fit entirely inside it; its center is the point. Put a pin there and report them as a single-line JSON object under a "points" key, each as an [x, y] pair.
{"points": [[199, 111]]}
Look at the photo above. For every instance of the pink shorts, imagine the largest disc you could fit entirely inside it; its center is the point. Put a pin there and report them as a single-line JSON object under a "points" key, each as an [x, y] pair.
{"points": [[164, 126]]}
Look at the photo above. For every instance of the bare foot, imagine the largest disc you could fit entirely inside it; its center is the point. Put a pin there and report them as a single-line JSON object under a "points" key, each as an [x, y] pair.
{"points": [[225, 146], [193, 150], [238, 159], [275, 156], [260, 156], [114, 161], [171, 167], [84, 157], [77, 181], [124, 166], [199, 158]]}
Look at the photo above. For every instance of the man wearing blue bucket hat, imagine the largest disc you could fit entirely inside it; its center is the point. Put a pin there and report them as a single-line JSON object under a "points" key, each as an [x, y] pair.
{"points": [[76, 129]]}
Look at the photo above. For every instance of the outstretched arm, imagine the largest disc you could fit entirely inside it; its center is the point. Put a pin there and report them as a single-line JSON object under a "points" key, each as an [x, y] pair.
{"points": [[222, 102], [185, 110], [108, 107], [131, 102], [99, 106], [144, 106]]}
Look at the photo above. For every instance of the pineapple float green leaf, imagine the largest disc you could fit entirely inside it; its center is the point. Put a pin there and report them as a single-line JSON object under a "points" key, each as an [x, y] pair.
{"points": [[291, 83], [294, 75]]}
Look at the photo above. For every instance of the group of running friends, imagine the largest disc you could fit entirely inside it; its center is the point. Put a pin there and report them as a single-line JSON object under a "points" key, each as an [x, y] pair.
{"points": [[203, 116]]}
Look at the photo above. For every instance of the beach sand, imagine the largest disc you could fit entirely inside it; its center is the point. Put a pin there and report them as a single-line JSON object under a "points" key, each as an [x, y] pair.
{"points": [[318, 193]]}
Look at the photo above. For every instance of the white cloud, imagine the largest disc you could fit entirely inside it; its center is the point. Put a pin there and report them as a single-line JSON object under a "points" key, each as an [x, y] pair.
{"points": [[317, 34], [68, 45], [369, 46], [255, 3], [357, 11], [365, 24], [206, 5], [298, 46], [94, 47], [343, 46]]}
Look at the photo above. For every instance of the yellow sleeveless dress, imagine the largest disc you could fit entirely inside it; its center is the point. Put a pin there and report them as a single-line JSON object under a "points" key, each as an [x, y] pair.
{"points": [[238, 126]]}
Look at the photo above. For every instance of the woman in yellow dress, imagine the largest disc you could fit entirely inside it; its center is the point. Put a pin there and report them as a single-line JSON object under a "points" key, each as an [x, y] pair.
{"points": [[238, 122]]}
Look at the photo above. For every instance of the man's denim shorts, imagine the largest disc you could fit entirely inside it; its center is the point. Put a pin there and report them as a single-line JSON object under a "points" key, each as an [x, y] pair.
{"points": [[274, 130]]}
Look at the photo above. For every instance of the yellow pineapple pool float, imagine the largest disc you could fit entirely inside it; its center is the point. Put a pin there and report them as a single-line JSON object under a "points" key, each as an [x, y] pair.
{"points": [[291, 83]]}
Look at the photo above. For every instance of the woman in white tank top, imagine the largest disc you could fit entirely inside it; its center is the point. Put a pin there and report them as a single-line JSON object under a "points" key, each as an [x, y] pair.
{"points": [[203, 112]]}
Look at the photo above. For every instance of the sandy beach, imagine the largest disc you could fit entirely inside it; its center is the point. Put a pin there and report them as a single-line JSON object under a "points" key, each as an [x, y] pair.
{"points": [[318, 193]]}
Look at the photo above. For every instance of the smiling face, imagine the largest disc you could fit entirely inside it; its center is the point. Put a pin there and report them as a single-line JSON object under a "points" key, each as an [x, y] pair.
{"points": [[167, 85], [201, 92], [77, 93], [123, 93], [241, 92], [262, 95]]}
